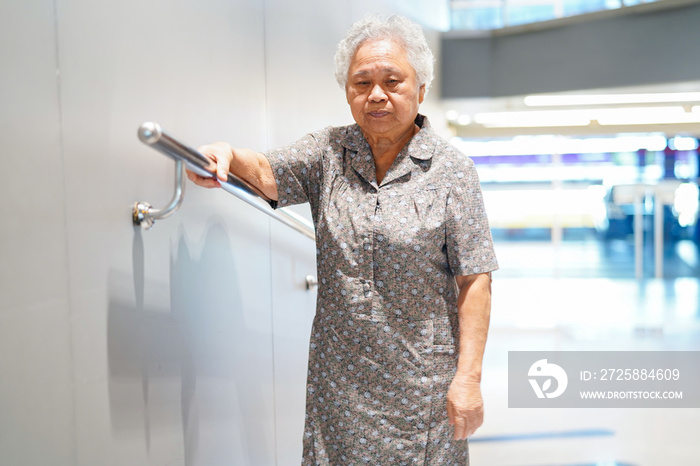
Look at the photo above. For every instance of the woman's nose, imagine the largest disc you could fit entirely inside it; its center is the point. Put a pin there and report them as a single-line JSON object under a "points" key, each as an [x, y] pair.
{"points": [[377, 94]]}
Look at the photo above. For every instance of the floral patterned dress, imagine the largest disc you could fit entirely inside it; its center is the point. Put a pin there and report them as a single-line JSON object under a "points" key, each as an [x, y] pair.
{"points": [[383, 343]]}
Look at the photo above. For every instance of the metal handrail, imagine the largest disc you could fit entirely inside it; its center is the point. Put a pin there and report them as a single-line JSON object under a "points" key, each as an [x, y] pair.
{"points": [[153, 135]]}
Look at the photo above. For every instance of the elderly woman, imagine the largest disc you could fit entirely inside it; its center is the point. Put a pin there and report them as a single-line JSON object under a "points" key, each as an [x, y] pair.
{"points": [[404, 256]]}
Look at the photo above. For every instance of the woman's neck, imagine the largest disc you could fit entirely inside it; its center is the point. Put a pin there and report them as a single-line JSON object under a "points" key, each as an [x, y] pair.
{"points": [[385, 149]]}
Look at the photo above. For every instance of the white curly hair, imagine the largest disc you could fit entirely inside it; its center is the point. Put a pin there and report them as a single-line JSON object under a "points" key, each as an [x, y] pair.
{"points": [[398, 28]]}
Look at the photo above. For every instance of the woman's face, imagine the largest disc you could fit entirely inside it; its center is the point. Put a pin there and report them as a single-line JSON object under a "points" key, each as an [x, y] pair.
{"points": [[382, 90]]}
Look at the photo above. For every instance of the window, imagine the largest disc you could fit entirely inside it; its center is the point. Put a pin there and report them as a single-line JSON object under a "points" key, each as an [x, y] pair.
{"points": [[496, 14]]}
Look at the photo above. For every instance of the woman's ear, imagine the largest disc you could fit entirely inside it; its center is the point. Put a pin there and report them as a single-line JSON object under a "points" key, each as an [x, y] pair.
{"points": [[421, 94]]}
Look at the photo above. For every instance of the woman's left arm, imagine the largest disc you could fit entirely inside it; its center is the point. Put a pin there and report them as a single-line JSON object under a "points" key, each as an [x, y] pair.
{"points": [[465, 406]]}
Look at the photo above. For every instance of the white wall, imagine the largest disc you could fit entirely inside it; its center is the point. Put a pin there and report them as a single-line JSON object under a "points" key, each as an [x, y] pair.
{"points": [[186, 344]]}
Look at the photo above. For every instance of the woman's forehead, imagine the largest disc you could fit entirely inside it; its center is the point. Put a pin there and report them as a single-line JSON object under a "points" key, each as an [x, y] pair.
{"points": [[377, 67], [383, 55]]}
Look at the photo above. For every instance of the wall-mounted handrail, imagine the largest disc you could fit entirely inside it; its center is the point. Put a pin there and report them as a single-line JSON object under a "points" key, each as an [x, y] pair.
{"points": [[153, 135]]}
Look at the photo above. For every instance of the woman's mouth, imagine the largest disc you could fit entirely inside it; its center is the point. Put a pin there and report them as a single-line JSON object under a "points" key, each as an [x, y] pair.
{"points": [[378, 114]]}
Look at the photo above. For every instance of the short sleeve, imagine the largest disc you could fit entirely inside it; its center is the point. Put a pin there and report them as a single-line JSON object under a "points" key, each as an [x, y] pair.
{"points": [[468, 237], [297, 171]]}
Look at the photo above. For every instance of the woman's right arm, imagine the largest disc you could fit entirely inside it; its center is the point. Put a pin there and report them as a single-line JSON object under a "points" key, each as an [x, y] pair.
{"points": [[248, 165]]}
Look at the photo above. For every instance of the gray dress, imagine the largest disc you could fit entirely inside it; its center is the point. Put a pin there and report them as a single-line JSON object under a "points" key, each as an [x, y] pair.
{"points": [[383, 343]]}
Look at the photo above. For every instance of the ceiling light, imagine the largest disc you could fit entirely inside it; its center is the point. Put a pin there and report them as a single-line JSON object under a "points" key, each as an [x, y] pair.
{"points": [[683, 143], [452, 115], [464, 120], [537, 145], [610, 99], [645, 116], [629, 116], [532, 119]]}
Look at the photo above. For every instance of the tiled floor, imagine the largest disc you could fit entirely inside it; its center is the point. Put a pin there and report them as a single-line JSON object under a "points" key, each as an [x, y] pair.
{"points": [[580, 298]]}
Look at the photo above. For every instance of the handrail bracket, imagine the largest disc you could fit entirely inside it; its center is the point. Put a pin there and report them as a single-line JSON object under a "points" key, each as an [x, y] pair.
{"points": [[145, 215]]}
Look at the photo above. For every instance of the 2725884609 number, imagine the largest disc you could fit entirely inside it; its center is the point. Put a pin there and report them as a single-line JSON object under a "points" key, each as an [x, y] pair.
{"points": [[639, 374]]}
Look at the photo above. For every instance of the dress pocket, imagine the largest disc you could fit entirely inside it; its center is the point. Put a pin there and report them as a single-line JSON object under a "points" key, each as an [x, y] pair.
{"points": [[384, 340], [445, 334]]}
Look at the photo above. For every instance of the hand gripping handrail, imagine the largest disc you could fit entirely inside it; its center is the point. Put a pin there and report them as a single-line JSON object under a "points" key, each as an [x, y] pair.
{"points": [[143, 214]]}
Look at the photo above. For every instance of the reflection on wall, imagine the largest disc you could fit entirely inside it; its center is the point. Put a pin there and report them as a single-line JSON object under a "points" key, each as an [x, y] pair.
{"points": [[184, 365]]}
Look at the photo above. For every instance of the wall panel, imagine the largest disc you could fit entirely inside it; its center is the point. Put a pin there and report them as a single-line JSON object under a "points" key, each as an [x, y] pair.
{"points": [[36, 405], [186, 344], [172, 330]]}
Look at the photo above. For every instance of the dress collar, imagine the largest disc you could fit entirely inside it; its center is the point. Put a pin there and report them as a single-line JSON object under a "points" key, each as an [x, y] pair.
{"points": [[421, 146], [416, 153]]}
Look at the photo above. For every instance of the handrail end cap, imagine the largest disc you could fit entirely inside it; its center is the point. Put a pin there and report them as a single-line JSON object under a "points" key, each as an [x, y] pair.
{"points": [[149, 132]]}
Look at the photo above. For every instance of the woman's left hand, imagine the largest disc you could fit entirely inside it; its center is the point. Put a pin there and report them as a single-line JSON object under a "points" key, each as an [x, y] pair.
{"points": [[465, 407]]}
